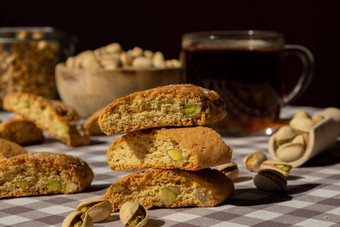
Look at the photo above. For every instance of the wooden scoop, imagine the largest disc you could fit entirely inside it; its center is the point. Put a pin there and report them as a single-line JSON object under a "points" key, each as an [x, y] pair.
{"points": [[322, 136]]}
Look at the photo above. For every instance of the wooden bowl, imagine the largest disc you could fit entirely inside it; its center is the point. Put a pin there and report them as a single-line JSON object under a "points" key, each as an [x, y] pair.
{"points": [[90, 90]]}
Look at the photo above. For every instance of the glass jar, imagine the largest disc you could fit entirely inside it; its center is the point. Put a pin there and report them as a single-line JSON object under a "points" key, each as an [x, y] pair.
{"points": [[28, 57]]}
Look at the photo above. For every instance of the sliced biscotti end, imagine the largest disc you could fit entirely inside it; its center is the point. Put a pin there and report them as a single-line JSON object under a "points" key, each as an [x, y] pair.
{"points": [[21, 131], [187, 148], [171, 105], [9, 149], [41, 173], [91, 124], [59, 120], [171, 188]]}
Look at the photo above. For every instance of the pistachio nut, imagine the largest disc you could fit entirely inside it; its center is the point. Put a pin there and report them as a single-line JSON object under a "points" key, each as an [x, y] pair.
{"points": [[77, 219], [279, 166], [254, 160], [230, 169], [290, 152], [284, 134], [133, 214], [175, 154], [191, 110], [270, 180], [97, 208], [167, 196], [301, 114], [317, 118], [301, 139], [302, 125]]}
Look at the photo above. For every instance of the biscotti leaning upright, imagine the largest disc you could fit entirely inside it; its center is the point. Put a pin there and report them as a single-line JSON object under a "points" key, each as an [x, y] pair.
{"points": [[58, 119], [172, 105]]}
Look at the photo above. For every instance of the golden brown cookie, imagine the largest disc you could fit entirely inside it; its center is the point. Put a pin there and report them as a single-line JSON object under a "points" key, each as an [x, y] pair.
{"points": [[58, 119], [172, 105], [21, 131], [42, 173], [188, 148], [91, 124], [171, 188], [9, 149]]}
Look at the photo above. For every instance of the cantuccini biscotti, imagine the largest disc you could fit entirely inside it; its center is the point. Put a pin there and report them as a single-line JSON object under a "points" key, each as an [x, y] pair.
{"points": [[171, 188], [188, 148], [42, 173], [9, 149], [21, 131], [91, 124], [171, 105], [58, 119]]}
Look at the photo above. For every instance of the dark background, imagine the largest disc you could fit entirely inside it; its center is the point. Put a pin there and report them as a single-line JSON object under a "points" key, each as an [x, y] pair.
{"points": [[158, 25]]}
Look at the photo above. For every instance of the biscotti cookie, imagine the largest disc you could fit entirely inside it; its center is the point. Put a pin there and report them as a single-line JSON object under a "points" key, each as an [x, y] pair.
{"points": [[172, 105], [188, 148], [53, 116], [21, 131], [41, 173], [91, 124], [9, 149], [171, 188]]}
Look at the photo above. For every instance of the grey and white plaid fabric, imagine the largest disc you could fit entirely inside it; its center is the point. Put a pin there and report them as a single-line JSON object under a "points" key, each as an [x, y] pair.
{"points": [[312, 198]]}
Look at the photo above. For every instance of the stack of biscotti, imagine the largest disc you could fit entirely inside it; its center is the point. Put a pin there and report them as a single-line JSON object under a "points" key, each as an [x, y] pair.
{"points": [[165, 133], [58, 119]]}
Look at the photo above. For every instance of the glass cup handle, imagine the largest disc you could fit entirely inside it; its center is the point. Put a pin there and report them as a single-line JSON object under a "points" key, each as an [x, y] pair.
{"points": [[307, 60]]}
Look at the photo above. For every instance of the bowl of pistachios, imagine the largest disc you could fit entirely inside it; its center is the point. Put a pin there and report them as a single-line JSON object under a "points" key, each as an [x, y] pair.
{"points": [[92, 79]]}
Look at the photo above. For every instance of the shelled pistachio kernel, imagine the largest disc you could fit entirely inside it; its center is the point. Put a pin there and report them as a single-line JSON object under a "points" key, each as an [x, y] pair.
{"points": [[98, 208], [230, 169], [167, 196], [133, 214], [290, 152], [254, 160], [191, 109], [175, 154], [77, 219], [270, 180], [283, 135], [280, 166], [54, 184], [70, 187]]}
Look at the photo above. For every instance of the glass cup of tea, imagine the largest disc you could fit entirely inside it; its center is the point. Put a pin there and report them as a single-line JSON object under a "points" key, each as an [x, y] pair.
{"points": [[245, 68]]}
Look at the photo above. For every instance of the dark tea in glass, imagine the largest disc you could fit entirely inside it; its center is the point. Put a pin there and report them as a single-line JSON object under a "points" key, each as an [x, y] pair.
{"points": [[244, 67]]}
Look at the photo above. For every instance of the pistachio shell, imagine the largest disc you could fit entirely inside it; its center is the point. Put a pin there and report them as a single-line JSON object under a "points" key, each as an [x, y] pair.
{"points": [[284, 134], [301, 139], [230, 169], [76, 217], [279, 166], [128, 211], [290, 152], [301, 114], [317, 118], [254, 160], [303, 125], [97, 208], [269, 180]]}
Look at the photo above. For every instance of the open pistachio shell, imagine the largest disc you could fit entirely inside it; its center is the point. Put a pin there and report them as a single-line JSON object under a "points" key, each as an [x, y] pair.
{"points": [[270, 180], [290, 152], [230, 169], [98, 208], [284, 134], [254, 160], [77, 219], [302, 125], [133, 214], [279, 166]]}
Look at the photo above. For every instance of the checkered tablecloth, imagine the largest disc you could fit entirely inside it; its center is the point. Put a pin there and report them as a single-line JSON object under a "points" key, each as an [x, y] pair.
{"points": [[312, 198]]}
